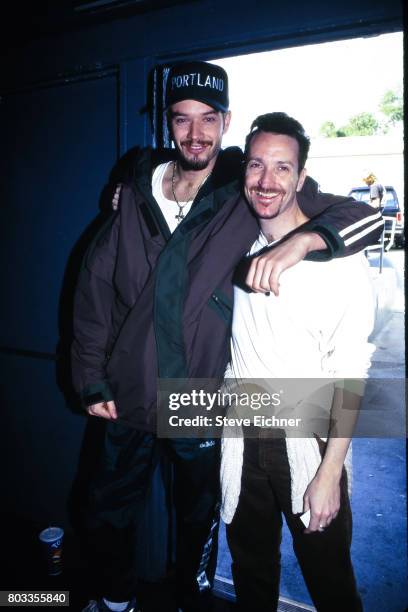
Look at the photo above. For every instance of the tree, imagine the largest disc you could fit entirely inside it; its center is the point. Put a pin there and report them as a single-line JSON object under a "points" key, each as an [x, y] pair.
{"points": [[328, 129], [342, 131], [391, 106], [363, 124]]}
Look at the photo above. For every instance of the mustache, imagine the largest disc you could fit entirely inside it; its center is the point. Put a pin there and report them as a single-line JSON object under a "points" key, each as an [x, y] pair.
{"points": [[267, 191], [191, 141]]}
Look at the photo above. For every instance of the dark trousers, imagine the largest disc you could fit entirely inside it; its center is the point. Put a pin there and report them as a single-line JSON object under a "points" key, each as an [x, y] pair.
{"points": [[254, 538], [117, 506]]}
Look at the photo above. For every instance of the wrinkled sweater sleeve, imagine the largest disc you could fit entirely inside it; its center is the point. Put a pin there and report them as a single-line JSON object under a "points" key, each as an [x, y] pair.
{"points": [[350, 357], [345, 225]]}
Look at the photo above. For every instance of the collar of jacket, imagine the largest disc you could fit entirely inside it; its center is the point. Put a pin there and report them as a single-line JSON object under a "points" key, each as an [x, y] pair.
{"points": [[222, 184], [227, 168]]}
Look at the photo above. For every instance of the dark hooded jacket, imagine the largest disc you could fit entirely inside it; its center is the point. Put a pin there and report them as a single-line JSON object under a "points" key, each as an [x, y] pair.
{"points": [[150, 304]]}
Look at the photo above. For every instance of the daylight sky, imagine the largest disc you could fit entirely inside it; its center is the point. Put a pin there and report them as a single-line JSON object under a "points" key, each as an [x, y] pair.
{"points": [[314, 83]]}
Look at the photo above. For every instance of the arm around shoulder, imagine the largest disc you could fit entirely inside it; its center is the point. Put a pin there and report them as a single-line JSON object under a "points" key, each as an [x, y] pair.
{"points": [[346, 226]]}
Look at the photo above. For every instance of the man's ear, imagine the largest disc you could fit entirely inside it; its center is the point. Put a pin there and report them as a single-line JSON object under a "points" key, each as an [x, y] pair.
{"points": [[301, 180], [227, 119]]}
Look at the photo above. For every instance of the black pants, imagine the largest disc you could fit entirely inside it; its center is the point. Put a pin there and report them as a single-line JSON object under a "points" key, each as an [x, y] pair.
{"points": [[254, 538], [117, 503]]}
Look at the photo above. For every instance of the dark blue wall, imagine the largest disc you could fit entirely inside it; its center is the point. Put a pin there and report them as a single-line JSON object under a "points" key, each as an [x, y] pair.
{"points": [[71, 105]]}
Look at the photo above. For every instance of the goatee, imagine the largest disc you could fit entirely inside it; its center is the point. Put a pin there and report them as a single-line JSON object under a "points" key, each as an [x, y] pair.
{"points": [[193, 164]]}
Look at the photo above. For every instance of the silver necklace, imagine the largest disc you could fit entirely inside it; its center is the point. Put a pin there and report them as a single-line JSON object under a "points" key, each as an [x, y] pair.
{"points": [[180, 215]]}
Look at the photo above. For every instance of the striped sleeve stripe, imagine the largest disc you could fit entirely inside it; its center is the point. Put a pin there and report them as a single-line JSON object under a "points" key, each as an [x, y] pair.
{"points": [[363, 233], [357, 224]]}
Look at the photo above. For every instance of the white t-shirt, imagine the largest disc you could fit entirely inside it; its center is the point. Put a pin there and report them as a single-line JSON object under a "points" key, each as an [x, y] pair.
{"points": [[317, 327], [169, 208]]}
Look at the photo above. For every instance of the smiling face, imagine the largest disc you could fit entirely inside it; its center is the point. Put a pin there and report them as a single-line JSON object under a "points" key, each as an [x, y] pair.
{"points": [[197, 131], [271, 175]]}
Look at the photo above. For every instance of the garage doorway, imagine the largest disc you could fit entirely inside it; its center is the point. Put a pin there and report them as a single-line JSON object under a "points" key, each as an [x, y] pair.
{"points": [[339, 92]]}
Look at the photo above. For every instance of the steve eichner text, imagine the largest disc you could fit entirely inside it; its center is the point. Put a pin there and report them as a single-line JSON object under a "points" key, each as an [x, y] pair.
{"points": [[205, 400]]}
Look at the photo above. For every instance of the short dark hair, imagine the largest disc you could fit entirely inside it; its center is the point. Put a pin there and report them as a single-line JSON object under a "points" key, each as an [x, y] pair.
{"points": [[281, 123]]}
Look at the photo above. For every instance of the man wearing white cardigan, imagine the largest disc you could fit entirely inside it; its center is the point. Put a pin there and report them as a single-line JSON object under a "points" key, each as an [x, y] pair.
{"points": [[316, 327]]}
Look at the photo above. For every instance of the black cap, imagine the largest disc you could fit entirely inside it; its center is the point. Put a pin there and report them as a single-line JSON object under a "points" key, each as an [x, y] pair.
{"points": [[200, 81]]}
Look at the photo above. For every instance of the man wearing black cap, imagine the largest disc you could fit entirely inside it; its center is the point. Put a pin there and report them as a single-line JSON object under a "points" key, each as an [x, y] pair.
{"points": [[154, 301]]}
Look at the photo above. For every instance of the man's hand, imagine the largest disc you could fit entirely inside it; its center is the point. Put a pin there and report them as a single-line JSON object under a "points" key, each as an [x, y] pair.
{"points": [[322, 498], [116, 196], [106, 410], [265, 270]]}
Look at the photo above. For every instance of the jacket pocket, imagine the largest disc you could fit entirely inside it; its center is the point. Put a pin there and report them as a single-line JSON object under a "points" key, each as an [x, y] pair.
{"points": [[222, 305]]}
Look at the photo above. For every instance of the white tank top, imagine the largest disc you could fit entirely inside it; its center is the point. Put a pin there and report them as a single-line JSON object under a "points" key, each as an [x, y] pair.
{"points": [[169, 208]]}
